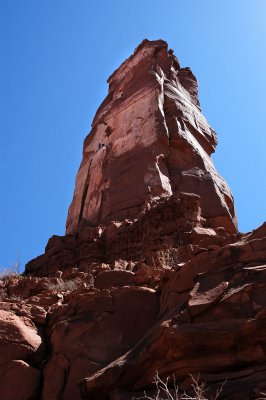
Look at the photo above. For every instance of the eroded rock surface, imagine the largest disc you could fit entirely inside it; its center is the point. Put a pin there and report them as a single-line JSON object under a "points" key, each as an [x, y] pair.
{"points": [[149, 140], [211, 321], [152, 275]]}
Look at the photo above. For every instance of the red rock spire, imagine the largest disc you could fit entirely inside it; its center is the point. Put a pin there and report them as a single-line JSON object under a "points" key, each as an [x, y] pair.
{"points": [[149, 141], [154, 279]]}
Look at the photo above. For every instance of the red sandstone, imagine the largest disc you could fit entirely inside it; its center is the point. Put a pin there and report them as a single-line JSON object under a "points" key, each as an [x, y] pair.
{"points": [[152, 274]]}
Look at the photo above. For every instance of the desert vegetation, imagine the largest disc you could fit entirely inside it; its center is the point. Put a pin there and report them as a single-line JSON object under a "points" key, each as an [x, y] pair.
{"points": [[163, 390], [65, 285]]}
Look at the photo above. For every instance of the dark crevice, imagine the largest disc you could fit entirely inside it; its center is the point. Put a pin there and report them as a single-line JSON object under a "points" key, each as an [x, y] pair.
{"points": [[84, 194]]}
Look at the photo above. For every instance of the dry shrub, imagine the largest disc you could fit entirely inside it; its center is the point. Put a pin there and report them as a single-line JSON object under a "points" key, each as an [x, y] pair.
{"points": [[65, 286], [8, 275], [163, 392], [11, 272]]}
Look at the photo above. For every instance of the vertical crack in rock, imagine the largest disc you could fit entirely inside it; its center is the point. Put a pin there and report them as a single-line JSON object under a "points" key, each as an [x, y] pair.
{"points": [[84, 195]]}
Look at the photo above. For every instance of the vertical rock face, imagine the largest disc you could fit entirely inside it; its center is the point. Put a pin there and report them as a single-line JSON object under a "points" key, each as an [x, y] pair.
{"points": [[152, 275], [149, 141]]}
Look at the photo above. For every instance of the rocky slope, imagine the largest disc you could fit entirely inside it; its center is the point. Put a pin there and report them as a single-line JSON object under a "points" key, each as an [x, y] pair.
{"points": [[152, 274]]}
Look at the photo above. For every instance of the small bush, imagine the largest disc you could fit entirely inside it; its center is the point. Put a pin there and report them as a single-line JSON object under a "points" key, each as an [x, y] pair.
{"points": [[65, 286], [163, 392], [9, 274]]}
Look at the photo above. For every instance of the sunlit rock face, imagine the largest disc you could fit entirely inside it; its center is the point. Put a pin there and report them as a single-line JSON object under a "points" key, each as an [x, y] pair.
{"points": [[152, 275], [149, 141]]}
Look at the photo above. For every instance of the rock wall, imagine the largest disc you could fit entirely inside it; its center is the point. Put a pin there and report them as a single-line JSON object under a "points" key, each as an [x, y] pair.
{"points": [[149, 140], [152, 276]]}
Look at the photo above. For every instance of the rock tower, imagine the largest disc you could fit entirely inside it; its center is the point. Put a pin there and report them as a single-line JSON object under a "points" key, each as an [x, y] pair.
{"points": [[152, 276]]}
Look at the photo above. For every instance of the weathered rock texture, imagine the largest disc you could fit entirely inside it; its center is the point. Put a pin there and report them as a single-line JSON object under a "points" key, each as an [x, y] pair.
{"points": [[152, 274], [149, 142]]}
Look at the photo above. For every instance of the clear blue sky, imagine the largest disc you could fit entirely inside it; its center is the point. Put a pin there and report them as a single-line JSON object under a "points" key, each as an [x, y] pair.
{"points": [[55, 58]]}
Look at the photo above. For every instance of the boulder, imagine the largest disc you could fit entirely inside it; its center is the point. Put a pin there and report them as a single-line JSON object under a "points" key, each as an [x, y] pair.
{"points": [[19, 339], [19, 381]]}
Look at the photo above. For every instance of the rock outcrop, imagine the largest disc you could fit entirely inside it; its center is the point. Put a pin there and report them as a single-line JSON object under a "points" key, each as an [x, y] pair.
{"points": [[152, 275], [146, 176], [149, 141]]}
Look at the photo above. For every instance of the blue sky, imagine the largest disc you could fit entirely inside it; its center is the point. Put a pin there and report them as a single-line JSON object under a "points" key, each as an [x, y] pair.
{"points": [[56, 56]]}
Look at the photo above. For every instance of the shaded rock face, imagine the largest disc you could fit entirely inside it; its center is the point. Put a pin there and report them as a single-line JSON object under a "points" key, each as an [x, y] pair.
{"points": [[152, 275]]}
